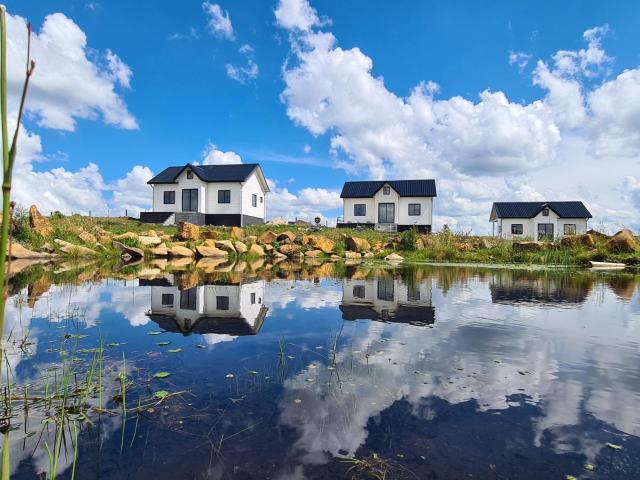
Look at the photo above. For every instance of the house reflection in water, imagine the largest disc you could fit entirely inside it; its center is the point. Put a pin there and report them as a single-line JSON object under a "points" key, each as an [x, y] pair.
{"points": [[549, 289], [228, 309], [387, 299]]}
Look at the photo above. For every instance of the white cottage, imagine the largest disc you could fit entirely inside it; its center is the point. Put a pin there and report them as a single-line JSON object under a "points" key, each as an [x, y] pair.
{"points": [[538, 220], [391, 205], [232, 195]]}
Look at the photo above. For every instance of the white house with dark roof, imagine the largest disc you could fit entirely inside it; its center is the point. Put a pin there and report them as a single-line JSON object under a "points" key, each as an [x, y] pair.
{"points": [[232, 195], [390, 205], [538, 220]]}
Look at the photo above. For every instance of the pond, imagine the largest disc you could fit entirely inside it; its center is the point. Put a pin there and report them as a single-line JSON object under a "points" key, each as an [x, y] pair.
{"points": [[322, 371]]}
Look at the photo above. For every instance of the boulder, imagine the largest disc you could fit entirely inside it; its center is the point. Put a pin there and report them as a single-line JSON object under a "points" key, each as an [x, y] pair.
{"points": [[236, 233], [77, 250], [159, 251], [278, 257], [484, 243], [126, 236], [394, 257], [621, 242], [377, 247], [268, 248], [87, 237], [39, 223], [226, 245], [188, 231], [186, 280], [350, 254], [208, 251], [357, 244], [256, 250], [419, 244], [598, 235], [334, 258], [267, 237], [99, 231], [133, 252], [321, 242], [313, 253], [528, 246], [18, 252], [585, 240], [287, 236], [149, 233], [104, 239], [367, 255], [180, 251], [149, 240], [297, 256], [240, 247], [250, 239], [278, 221], [165, 237], [209, 234], [289, 249]]}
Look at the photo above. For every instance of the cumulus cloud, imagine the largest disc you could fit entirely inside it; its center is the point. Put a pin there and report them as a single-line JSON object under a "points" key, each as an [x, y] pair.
{"points": [[72, 81], [306, 204], [218, 21], [212, 156], [296, 14]]}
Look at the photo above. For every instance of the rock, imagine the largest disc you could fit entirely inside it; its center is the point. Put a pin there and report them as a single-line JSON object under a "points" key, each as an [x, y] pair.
{"points": [[321, 243], [165, 238], [278, 221], [289, 249], [464, 246], [484, 243], [287, 236], [250, 239], [149, 233], [585, 240], [19, 252], [268, 248], [226, 245], [335, 257], [528, 246], [236, 233], [240, 247], [186, 280], [257, 250], [394, 257], [99, 231], [350, 254], [208, 251], [180, 251], [267, 237], [419, 244], [278, 257], [357, 244], [104, 239], [621, 242], [159, 251], [188, 231], [47, 247], [126, 236], [87, 237], [297, 256], [149, 240], [76, 250], [209, 234], [368, 255], [39, 223], [133, 252], [601, 236], [377, 247], [209, 242], [313, 253]]}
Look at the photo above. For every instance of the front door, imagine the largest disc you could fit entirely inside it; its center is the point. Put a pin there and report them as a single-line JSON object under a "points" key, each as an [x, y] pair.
{"points": [[545, 231], [190, 200], [386, 212]]}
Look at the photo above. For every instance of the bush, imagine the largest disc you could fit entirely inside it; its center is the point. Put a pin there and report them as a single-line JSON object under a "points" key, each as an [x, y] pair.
{"points": [[408, 240]]}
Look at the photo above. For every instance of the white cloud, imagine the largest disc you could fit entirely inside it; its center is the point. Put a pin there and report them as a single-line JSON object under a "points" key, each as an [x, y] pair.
{"points": [[520, 59], [71, 80], [132, 193], [590, 61], [212, 156], [306, 204], [243, 74], [218, 21], [296, 14]]}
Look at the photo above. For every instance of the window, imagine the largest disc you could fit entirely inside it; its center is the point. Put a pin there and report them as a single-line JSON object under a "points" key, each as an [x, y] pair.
{"points": [[222, 303], [545, 212], [358, 291], [253, 298], [516, 229], [545, 231], [170, 197], [569, 228], [386, 190], [413, 293], [385, 289], [254, 200], [188, 299], [224, 196], [190, 200], [167, 299], [189, 174], [414, 209], [359, 210], [261, 199]]}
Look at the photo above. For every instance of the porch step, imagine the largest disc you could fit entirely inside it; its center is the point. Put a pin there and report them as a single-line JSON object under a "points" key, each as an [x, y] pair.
{"points": [[196, 218], [386, 227], [170, 221]]}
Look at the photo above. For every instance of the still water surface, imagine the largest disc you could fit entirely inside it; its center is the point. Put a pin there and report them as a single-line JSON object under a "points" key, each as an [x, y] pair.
{"points": [[431, 372]]}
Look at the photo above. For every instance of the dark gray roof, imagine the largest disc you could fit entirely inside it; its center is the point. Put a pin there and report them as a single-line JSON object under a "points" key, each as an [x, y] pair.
{"points": [[531, 209], [208, 173], [405, 188]]}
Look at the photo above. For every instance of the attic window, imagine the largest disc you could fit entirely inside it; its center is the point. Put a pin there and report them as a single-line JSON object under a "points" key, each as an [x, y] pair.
{"points": [[189, 174], [545, 212], [386, 190]]}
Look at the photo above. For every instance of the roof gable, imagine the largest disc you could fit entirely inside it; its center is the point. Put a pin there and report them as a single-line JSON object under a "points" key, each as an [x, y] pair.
{"points": [[575, 209], [208, 173], [404, 188]]}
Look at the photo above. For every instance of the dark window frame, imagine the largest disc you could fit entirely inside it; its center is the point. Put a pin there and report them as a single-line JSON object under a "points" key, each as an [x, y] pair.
{"points": [[356, 209], [514, 229], [226, 196], [171, 199], [359, 291], [222, 302], [386, 190], [254, 200], [189, 174], [412, 209], [165, 301], [545, 212], [253, 298], [189, 299]]}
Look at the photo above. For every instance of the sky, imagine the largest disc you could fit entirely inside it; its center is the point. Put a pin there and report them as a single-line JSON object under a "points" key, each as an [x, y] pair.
{"points": [[497, 101]]}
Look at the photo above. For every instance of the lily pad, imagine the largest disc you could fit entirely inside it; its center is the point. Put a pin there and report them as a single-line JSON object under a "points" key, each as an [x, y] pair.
{"points": [[154, 333], [161, 394], [201, 346], [161, 375], [614, 446], [174, 350], [162, 344]]}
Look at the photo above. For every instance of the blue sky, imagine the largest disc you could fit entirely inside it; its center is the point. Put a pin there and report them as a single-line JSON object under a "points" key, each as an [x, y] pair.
{"points": [[314, 114]]}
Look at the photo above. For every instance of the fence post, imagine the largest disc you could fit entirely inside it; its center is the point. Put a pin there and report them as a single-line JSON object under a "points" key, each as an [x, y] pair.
{"points": [[126, 212]]}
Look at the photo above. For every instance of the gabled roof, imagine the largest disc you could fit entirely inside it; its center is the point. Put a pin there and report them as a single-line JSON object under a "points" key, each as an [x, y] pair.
{"points": [[404, 188], [210, 173], [531, 209]]}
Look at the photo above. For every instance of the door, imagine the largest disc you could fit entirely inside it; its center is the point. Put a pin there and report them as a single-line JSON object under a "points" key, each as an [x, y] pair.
{"points": [[386, 212], [190, 200], [545, 231], [385, 289]]}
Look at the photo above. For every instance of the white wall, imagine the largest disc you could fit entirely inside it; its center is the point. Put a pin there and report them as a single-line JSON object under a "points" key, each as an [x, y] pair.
{"points": [[347, 210], [530, 226], [250, 187], [426, 211], [232, 208], [183, 182], [400, 294]]}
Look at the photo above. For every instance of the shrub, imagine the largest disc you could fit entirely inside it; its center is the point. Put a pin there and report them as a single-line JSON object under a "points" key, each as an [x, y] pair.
{"points": [[408, 240]]}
